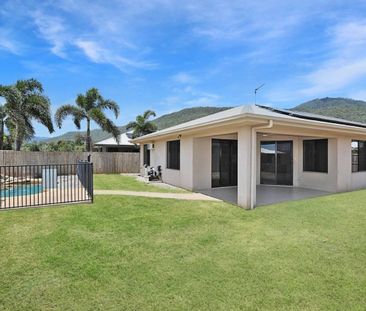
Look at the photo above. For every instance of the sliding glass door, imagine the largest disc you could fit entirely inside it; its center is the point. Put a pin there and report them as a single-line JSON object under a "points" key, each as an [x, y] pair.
{"points": [[224, 162], [268, 163], [276, 162]]}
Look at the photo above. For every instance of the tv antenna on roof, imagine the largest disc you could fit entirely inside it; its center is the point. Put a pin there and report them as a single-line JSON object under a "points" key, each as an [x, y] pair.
{"points": [[256, 91]]}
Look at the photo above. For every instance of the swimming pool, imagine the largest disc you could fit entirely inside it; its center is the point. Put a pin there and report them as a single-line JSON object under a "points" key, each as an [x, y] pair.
{"points": [[19, 190]]}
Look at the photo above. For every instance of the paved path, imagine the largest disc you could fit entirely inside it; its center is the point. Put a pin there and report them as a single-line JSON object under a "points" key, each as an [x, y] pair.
{"points": [[165, 195]]}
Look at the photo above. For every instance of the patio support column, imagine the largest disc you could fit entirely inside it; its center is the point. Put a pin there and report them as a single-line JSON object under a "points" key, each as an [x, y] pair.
{"points": [[142, 169], [344, 164], [244, 167]]}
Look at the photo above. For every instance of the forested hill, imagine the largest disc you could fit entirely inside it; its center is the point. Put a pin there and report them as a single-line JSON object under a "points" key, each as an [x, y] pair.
{"points": [[344, 108]]}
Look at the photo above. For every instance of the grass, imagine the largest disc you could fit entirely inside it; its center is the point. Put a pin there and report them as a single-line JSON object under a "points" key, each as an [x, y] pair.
{"points": [[125, 253], [124, 182]]}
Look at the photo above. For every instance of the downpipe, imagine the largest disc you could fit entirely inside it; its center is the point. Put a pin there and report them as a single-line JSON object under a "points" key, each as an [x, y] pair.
{"points": [[253, 168]]}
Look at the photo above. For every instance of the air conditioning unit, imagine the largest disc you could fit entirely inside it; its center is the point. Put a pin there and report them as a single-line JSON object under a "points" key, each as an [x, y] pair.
{"points": [[150, 146]]}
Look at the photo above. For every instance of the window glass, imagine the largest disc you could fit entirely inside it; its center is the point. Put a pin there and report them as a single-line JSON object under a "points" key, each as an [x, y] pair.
{"points": [[146, 155], [173, 154], [358, 156], [315, 155]]}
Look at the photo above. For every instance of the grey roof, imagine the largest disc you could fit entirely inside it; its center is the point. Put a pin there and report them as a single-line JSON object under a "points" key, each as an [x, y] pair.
{"points": [[313, 116], [124, 140], [225, 115]]}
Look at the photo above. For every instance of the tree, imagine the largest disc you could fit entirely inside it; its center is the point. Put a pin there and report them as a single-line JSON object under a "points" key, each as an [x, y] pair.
{"points": [[3, 116], [90, 107], [142, 125], [31, 146], [25, 102]]}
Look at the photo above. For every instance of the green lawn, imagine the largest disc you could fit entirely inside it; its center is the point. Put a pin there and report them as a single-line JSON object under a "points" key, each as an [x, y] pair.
{"points": [[132, 253], [123, 182]]}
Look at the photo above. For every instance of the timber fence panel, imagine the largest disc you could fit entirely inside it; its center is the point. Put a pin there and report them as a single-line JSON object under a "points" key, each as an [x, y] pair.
{"points": [[103, 162]]}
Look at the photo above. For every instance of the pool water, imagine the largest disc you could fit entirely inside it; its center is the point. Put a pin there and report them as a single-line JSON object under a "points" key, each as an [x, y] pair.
{"points": [[20, 190]]}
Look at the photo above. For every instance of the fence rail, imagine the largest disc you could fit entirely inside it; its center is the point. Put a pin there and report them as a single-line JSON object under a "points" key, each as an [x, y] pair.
{"points": [[34, 185], [103, 162]]}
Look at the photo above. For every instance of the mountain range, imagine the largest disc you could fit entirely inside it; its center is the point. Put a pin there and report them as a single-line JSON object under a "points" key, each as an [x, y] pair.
{"points": [[344, 108]]}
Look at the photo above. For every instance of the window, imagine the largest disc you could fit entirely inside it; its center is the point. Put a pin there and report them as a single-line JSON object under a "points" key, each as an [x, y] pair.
{"points": [[315, 155], [173, 154], [146, 155], [358, 155]]}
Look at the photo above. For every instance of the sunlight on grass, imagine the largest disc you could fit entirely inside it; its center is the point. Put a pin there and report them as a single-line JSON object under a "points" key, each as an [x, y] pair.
{"points": [[124, 182], [142, 253]]}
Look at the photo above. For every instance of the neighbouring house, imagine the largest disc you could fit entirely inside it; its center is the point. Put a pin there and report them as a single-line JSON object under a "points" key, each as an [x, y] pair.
{"points": [[256, 155], [111, 145]]}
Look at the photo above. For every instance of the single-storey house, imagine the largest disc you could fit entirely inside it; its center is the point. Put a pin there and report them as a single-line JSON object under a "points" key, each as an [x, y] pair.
{"points": [[253, 155], [110, 144]]}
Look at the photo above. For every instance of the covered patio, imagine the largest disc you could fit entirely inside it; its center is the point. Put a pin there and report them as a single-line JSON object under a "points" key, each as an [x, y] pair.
{"points": [[255, 155], [266, 194]]}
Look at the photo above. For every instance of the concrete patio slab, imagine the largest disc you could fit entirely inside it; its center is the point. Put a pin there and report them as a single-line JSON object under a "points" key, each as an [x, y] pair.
{"points": [[266, 194]]}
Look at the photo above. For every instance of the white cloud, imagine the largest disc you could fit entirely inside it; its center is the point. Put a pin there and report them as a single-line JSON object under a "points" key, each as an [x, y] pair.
{"points": [[52, 29], [97, 54], [189, 96], [184, 78], [91, 50], [351, 34], [8, 44], [334, 75], [111, 49], [343, 66], [347, 62], [240, 21], [208, 100]]}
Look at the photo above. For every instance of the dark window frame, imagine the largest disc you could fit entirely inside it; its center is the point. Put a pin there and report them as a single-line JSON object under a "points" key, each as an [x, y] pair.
{"points": [[173, 155], [359, 165], [233, 170], [147, 155], [312, 158]]}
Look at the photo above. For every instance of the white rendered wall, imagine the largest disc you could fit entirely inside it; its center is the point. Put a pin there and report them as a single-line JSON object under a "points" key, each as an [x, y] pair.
{"points": [[244, 166], [202, 159], [320, 181], [195, 165]]}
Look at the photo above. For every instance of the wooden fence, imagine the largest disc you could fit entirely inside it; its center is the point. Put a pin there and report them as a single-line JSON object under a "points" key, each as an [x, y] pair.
{"points": [[103, 162]]}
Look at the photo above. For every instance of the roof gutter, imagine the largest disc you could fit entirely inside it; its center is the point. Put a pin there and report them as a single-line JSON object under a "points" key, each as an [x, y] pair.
{"points": [[253, 168], [296, 120], [167, 132]]}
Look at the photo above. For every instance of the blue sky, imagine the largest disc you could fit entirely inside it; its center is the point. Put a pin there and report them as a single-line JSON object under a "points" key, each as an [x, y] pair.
{"points": [[168, 55]]}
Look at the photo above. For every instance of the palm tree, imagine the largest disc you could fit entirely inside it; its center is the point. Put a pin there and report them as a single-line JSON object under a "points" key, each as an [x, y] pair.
{"points": [[3, 117], [25, 102], [142, 126], [90, 107]]}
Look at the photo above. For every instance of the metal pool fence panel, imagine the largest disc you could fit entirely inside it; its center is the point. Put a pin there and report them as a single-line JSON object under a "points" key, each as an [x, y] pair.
{"points": [[35, 185]]}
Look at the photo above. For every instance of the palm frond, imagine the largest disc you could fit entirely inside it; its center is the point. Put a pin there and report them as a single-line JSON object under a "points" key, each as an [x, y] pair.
{"points": [[81, 101], [92, 97], [131, 125], [3, 112], [38, 107], [29, 86], [12, 96], [106, 124], [150, 127], [110, 105], [149, 113], [69, 110]]}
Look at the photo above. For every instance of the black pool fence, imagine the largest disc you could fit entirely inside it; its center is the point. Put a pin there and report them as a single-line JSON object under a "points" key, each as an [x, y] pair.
{"points": [[35, 185]]}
